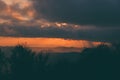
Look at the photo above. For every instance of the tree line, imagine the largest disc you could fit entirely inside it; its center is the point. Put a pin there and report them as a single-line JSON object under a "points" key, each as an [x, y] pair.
{"points": [[97, 63]]}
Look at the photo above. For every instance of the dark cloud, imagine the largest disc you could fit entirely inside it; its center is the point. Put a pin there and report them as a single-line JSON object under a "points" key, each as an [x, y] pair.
{"points": [[83, 12], [94, 34]]}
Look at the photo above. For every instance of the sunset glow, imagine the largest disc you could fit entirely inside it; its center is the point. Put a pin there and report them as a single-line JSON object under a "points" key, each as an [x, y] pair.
{"points": [[46, 42]]}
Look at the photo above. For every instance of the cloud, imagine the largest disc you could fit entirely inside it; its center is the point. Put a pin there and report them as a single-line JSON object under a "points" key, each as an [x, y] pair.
{"points": [[83, 12], [93, 34]]}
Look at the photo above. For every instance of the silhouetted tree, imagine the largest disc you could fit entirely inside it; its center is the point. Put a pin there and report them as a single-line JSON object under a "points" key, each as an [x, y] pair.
{"points": [[22, 63]]}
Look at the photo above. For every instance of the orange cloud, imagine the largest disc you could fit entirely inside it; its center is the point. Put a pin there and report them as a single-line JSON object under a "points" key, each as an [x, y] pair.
{"points": [[11, 2], [20, 10], [18, 16]]}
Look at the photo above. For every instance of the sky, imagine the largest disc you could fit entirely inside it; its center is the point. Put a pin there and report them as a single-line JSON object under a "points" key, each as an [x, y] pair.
{"points": [[89, 20]]}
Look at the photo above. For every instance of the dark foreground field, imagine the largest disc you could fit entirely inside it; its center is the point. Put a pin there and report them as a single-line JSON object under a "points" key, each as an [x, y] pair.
{"points": [[98, 63]]}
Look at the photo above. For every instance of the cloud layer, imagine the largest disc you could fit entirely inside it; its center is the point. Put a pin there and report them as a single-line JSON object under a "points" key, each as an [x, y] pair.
{"points": [[93, 34], [83, 12]]}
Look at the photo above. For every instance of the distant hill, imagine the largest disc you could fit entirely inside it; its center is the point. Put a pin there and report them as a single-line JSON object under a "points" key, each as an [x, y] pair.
{"points": [[56, 49], [46, 49]]}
